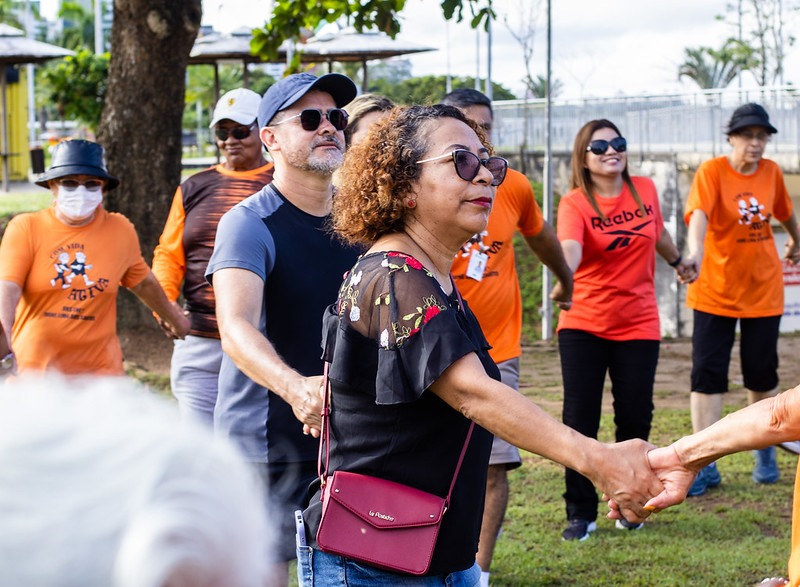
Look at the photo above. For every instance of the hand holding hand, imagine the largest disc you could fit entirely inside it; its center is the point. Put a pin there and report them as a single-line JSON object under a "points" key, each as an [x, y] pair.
{"points": [[792, 253], [307, 407], [562, 296], [688, 270], [675, 477], [179, 327], [625, 477]]}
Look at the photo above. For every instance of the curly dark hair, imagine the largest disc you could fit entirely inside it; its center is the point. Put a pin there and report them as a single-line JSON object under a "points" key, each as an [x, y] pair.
{"points": [[378, 173]]}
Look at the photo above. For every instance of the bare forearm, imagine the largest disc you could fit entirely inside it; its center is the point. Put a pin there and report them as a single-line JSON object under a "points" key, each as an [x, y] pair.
{"points": [[151, 294], [257, 358], [765, 423], [548, 249], [10, 294], [666, 247]]}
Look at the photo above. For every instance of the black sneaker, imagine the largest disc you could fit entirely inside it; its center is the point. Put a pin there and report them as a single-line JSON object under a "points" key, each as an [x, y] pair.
{"points": [[624, 524], [578, 530]]}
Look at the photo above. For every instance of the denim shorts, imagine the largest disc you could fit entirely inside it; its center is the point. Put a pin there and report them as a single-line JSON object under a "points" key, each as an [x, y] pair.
{"points": [[317, 568]]}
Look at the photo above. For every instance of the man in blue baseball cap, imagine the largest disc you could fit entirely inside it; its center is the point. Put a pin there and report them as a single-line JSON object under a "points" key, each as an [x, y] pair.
{"points": [[274, 270]]}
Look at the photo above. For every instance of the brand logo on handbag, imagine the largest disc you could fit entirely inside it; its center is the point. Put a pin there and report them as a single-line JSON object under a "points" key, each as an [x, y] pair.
{"points": [[386, 517]]}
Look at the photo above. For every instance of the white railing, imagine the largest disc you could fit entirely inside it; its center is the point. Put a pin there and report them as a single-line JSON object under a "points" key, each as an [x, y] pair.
{"points": [[688, 122]]}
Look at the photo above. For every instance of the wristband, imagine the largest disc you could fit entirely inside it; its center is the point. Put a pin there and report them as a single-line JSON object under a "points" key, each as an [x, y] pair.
{"points": [[677, 261]]}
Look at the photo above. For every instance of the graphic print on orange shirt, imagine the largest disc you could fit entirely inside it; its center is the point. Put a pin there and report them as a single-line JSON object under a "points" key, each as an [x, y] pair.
{"points": [[71, 265]]}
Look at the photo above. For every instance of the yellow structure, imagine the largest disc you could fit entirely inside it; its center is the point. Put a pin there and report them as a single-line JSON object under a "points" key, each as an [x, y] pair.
{"points": [[18, 149]]}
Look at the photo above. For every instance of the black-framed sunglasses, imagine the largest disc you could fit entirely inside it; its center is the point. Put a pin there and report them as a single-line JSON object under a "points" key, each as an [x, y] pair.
{"points": [[71, 185], [468, 165], [311, 118], [600, 146], [237, 132]]}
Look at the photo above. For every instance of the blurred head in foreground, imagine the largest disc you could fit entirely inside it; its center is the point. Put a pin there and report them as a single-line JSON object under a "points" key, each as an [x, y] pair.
{"points": [[101, 485]]}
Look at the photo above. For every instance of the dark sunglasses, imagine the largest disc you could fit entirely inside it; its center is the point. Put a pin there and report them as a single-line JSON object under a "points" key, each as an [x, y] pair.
{"points": [[600, 146], [237, 132], [72, 184], [468, 165], [311, 119]]}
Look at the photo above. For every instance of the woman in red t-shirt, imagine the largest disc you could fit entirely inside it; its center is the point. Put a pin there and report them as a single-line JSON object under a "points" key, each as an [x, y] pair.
{"points": [[610, 228]]}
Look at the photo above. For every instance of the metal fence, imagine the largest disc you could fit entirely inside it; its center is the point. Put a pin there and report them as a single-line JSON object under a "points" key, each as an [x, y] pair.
{"points": [[690, 122]]}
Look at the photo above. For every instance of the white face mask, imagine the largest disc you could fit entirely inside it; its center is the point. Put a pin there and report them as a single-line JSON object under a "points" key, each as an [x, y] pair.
{"points": [[78, 204]]}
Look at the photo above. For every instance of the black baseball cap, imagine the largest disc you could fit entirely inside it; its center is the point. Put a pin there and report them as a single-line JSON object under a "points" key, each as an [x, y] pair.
{"points": [[290, 89]]}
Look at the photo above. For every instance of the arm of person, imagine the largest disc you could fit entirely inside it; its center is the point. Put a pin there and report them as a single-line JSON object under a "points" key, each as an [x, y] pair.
{"points": [[573, 253], [149, 291], [792, 253], [620, 470], [670, 253], [169, 258], [10, 294], [695, 239], [759, 425], [547, 248], [239, 294]]}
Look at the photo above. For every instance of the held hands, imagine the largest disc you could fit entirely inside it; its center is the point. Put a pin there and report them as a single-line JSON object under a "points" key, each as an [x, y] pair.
{"points": [[687, 270], [624, 475], [178, 326], [562, 296], [307, 406], [792, 253], [674, 477]]}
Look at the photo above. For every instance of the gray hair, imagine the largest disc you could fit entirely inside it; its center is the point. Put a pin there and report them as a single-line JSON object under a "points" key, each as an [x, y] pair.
{"points": [[102, 485]]}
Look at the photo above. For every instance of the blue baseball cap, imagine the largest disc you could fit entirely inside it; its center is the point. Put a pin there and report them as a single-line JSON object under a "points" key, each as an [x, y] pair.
{"points": [[290, 89]]}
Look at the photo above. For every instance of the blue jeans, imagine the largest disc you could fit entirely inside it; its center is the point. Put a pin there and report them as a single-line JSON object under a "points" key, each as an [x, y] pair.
{"points": [[320, 569]]}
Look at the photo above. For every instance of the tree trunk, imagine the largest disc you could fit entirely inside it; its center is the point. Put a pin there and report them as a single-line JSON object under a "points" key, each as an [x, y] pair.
{"points": [[141, 123]]}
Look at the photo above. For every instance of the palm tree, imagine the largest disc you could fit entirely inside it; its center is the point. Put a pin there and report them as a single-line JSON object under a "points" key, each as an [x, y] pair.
{"points": [[716, 68], [537, 86]]}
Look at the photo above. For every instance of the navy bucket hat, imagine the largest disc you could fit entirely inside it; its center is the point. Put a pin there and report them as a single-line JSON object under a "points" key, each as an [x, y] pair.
{"points": [[290, 89], [749, 115], [77, 157]]}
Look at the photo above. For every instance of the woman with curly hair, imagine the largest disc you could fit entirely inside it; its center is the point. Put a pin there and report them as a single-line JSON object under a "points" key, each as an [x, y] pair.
{"points": [[409, 366]]}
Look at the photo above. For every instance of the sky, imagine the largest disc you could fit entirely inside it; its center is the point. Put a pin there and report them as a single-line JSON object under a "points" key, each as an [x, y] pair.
{"points": [[600, 48]]}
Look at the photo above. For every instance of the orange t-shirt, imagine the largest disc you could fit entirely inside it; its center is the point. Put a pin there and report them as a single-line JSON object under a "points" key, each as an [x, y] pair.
{"points": [[741, 275], [614, 294], [496, 300], [66, 317]]}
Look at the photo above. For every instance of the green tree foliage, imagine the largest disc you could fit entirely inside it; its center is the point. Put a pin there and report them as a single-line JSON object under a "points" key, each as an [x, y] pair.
{"points": [[78, 30], [428, 89], [764, 25], [716, 68], [295, 19], [200, 87], [11, 13], [76, 86]]}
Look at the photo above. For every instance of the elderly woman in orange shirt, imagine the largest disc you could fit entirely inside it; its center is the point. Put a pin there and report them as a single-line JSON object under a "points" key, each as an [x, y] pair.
{"points": [[731, 204]]}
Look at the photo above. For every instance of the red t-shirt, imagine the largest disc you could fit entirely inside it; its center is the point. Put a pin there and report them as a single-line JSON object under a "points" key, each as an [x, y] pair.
{"points": [[614, 294]]}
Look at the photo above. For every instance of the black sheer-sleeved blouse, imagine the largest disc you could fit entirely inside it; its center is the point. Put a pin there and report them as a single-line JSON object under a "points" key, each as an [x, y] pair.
{"points": [[391, 334]]}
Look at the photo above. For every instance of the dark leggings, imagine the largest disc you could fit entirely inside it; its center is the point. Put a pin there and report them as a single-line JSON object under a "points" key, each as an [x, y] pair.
{"points": [[631, 365]]}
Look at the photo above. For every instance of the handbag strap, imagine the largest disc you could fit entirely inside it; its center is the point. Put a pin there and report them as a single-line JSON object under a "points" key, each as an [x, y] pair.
{"points": [[322, 472]]}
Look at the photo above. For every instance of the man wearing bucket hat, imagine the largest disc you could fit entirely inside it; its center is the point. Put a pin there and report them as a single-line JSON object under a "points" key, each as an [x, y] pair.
{"points": [[732, 200], [61, 268], [274, 270], [185, 246]]}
